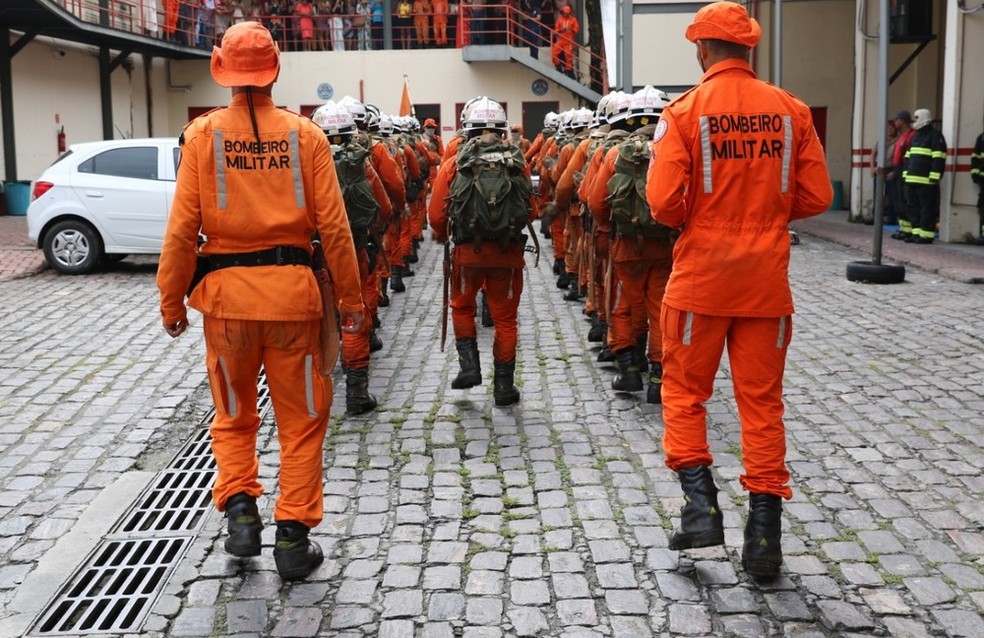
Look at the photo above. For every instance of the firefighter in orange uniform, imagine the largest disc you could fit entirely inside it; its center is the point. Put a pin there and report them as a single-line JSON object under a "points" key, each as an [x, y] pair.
{"points": [[562, 53], [493, 265], [734, 160], [564, 199], [440, 8], [258, 182], [640, 248], [367, 213], [385, 165]]}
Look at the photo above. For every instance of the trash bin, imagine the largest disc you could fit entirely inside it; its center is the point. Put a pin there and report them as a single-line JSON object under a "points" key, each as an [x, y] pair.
{"points": [[838, 203], [18, 196]]}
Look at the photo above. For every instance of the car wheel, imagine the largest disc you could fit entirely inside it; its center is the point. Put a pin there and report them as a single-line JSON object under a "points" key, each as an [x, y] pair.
{"points": [[72, 247], [868, 272], [112, 258]]}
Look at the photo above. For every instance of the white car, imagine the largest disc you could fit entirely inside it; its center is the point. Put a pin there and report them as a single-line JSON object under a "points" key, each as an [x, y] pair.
{"points": [[102, 201]]}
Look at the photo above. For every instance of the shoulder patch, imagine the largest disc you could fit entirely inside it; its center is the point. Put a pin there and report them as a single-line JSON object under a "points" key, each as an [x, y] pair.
{"points": [[661, 128]]}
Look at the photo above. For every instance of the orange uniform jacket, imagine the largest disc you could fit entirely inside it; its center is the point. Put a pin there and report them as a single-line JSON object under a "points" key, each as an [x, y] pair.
{"points": [[586, 192], [490, 255], [565, 185], [566, 27], [382, 198], [534, 148], [731, 167], [389, 171], [229, 188]]}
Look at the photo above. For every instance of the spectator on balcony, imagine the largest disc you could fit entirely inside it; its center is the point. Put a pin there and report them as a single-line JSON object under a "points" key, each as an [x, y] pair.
{"points": [[238, 14], [453, 18], [338, 11], [439, 8], [404, 24], [361, 24], [223, 17], [421, 23], [377, 23], [170, 19], [304, 13], [563, 49], [205, 24], [533, 34], [476, 23], [186, 23]]}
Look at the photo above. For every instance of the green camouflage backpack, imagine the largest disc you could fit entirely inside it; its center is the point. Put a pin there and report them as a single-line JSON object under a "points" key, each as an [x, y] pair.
{"points": [[360, 201], [490, 194], [627, 192]]}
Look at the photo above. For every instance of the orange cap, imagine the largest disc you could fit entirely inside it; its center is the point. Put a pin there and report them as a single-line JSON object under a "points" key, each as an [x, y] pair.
{"points": [[726, 21], [516, 128], [248, 57], [430, 122]]}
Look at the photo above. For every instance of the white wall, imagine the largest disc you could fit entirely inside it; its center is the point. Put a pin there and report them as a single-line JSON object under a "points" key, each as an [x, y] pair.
{"points": [[435, 77]]}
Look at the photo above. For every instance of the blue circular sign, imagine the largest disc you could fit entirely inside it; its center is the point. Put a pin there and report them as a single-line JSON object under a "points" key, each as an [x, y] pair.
{"points": [[540, 87], [325, 91]]}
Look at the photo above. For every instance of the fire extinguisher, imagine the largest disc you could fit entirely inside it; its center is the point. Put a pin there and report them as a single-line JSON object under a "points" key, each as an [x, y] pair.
{"points": [[61, 140]]}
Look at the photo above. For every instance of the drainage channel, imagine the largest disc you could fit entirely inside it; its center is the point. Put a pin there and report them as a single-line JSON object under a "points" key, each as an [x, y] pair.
{"points": [[119, 582]]}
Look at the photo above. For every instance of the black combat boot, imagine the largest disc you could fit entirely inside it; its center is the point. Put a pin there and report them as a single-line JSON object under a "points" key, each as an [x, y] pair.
{"points": [[574, 290], [486, 313], [642, 360], [654, 392], [471, 368], [598, 330], [295, 554], [628, 379], [701, 521], [414, 258], [762, 554], [384, 299], [407, 272], [375, 343], [357, 397], [564, 280], [245, 525], [376, 323], [605, 355], [558, 266], [503, 390], [396, 279]]}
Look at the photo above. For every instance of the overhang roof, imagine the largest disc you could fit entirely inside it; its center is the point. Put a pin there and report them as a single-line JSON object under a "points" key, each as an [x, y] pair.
{"points": [[49, 18]]}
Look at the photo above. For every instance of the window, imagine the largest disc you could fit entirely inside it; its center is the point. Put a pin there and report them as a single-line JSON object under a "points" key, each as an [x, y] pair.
{"points": [[138, 163], [177, 158]]}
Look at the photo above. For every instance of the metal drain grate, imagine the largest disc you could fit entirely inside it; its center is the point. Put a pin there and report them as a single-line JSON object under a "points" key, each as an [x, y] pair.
{"points": [[174, 502], [116, 588], [118, 585]]}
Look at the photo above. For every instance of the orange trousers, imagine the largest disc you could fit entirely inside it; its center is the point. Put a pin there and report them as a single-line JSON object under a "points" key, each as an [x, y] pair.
{"points": [[440, 30], [355, 345], [289, 352], [557, 236], [601, 247], [392, 241], [418, 210], [503, 287], [563, 49], [638, 300], [692, 348], [573, 231]]}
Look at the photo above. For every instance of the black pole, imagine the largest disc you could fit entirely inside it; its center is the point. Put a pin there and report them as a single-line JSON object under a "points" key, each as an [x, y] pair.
{"points": [[106, 93], [879, 200], [7, 106]]}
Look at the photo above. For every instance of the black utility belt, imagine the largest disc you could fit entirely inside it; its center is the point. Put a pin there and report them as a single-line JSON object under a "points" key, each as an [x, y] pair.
{"points": [[279, 256]]}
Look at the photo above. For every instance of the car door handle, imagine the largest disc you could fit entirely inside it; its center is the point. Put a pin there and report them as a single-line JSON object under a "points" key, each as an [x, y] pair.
{"points": [[96, 194]]}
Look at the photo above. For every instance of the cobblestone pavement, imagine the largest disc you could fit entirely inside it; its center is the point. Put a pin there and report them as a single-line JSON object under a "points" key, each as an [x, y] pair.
{"points": [[19, 256], [449, 517]]}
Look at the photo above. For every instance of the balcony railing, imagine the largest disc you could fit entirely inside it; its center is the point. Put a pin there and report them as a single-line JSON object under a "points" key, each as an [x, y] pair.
{"points": [[187, 22]]}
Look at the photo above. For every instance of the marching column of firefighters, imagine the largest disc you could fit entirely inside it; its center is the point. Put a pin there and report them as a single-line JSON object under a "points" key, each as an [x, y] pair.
{"points": [[667, 222]]}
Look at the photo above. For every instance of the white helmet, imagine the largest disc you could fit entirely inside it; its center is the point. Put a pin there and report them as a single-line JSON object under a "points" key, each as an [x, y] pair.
{"points": [[372, 117], [550, 119], [334, 119], [564, 121], [581, 119], [599, 114], [466, 109], [355, 107], [386, 125], [617, 108], [647, 102], [485, 114]]}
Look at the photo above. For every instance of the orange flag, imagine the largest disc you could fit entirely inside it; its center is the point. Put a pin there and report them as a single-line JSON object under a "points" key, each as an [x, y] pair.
{"points": [[406, 106]]}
